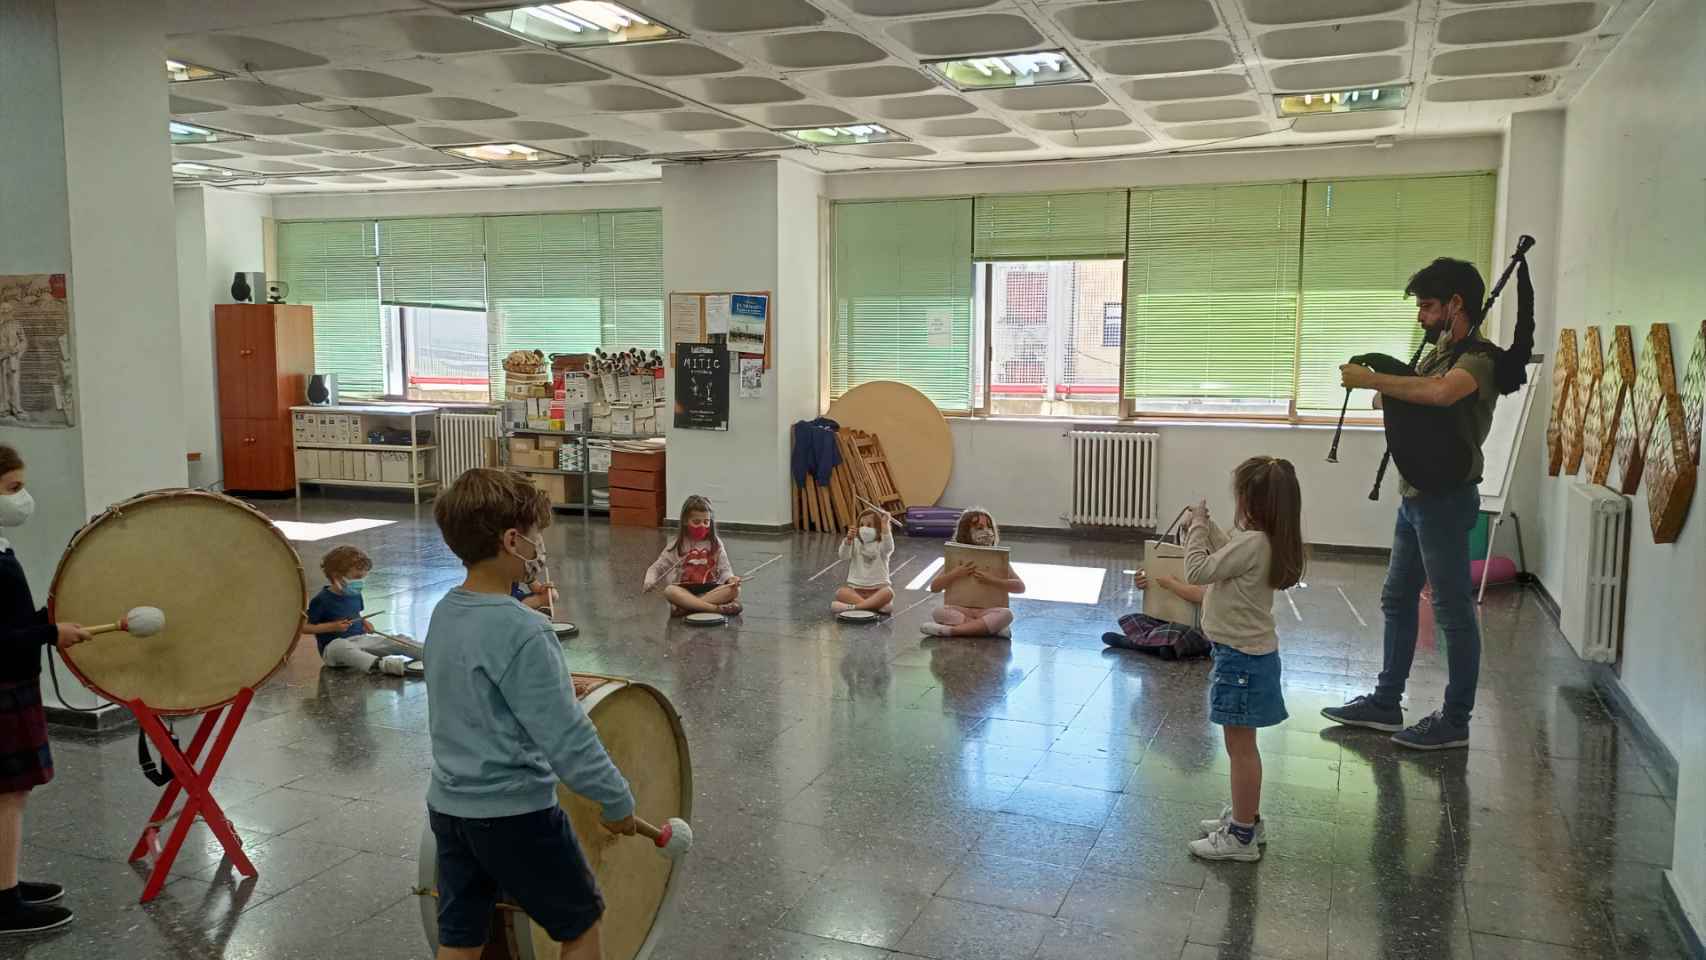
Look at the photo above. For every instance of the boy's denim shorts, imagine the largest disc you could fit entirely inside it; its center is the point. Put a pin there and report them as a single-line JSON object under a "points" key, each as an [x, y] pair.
{"points": [[532, 858], [1244, 690]]}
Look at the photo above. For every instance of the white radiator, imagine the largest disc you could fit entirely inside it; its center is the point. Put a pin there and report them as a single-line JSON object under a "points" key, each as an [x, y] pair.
{"points": [[463, 439], [1113, 478], [1596, 537]]}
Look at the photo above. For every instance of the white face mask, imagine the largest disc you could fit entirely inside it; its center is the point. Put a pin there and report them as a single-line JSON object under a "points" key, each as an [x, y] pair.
{"points": [[983, 536], [15, 508], [868, 534], [534, 567]]}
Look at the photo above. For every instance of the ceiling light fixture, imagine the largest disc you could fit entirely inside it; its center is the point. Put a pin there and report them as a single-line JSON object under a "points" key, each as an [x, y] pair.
{"points": [[1004, 70], [503, 154], [1342, 101], [177, 71], [579, 23], [185, 133], [202, 171], [852, 133]]}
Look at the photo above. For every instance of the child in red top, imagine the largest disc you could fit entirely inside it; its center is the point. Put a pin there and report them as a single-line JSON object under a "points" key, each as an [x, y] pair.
{"points": [[704, 581]]}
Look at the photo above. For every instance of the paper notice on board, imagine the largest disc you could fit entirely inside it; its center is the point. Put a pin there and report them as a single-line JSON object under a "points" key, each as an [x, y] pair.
{"points": [[684, 318], [717, 313], [941, 330], [748, 318], [751, 377]]}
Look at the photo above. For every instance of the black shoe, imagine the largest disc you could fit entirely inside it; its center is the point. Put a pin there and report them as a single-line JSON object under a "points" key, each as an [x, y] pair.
{"points": [[1433, 732], [1364, 712], [33, 919], [38, 894]]}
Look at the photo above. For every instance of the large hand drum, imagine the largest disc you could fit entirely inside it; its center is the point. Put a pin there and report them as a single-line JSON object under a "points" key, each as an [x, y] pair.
{"points": [[228, 581], [643, 735]]}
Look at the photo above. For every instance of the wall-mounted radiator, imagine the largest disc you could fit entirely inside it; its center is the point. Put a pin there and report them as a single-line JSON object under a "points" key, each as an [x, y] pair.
{"points": [[1113, 478], [1596, 547], [465, 441]]}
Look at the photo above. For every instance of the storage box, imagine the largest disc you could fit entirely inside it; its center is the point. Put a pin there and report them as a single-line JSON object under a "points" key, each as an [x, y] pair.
{"points": [[598, 408], [635, 517], [646, 425], [395, 468], [299, 427], [622, 419], [555, 485], [600, 424], [629, 460], [635, 479], [658, 393], [370, 466], [633, 388], [607, 386], [652, 500], [575, 416], [523, 444], [307, 465], [598, 457], [549, 442], [329, 465], [577, 389], [543, 459]]}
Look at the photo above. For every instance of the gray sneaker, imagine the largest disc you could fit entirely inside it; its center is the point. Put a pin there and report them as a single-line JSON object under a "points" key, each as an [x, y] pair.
{"points": [[1225, 820], [1433, 732], [1364, 712]]}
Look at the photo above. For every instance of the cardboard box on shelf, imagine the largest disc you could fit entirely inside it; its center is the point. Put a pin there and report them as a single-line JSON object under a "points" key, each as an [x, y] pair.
{"points": [[658, 393], [549, 442], [577, 388], [598, 408], [299, 426], [645, 426], [307, 465], [371, 469], [600, 424], [576, 416], [394, 467], [607, 386], [523, 444], [544, 459], [622, 419], [598, 457], [635, 388], [328, 464]]}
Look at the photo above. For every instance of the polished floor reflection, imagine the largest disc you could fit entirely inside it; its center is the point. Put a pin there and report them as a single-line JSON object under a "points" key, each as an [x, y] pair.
{"points": [[865, 792]]}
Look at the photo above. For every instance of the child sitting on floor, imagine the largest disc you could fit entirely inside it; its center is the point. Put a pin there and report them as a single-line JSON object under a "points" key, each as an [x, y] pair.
{"points": [[1153, 635], [978, 528], [534, 595], [344, 638], [704, 580], [869, 546]]}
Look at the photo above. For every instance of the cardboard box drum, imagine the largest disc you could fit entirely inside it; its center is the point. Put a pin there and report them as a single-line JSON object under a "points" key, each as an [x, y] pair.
{"points": [[967, 591], [1161, 558]]}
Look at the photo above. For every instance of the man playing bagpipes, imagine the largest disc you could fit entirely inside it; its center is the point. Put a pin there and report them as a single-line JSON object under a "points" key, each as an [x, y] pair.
{"points": [[1437, 415]]}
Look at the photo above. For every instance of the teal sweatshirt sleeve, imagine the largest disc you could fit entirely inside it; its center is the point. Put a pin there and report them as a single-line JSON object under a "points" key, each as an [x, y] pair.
{"points": [[538, 690]]}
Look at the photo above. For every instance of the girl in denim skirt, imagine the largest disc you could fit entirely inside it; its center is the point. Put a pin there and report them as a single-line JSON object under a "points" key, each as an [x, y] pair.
{"points": [[1242, 570]]}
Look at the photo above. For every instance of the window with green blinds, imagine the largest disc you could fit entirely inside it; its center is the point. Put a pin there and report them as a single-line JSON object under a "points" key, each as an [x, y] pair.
{"points": [[433, 262], [1362, 239], [574, 282], [333, 266], [1211, 297], [1050, 226], [898, 266]]}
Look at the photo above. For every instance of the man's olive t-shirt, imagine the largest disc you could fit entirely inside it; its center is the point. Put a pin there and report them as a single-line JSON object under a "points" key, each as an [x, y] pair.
{"points": [[1469, 421]]}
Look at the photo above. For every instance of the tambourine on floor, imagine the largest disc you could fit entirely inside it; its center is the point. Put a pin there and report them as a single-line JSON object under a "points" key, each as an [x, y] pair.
{"points": [[643, 735]]}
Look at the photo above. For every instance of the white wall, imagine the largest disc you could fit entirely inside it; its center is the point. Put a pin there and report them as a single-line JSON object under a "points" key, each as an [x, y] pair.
{"points": [[1632, 227], [1020, 470], [32, 191], [798, 324], [720, 233], [124, 285]]}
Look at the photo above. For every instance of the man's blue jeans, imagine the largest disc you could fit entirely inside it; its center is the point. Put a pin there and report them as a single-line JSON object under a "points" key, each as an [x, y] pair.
{"points": [[1431, 545]]}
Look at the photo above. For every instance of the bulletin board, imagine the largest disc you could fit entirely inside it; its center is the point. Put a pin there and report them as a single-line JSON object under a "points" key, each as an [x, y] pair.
{"points": [[739, 319]]}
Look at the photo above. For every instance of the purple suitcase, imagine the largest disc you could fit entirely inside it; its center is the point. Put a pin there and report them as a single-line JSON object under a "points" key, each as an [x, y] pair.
{"points": [[932, 521]]}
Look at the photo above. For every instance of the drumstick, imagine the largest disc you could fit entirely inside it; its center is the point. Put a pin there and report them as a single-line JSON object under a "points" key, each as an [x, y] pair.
{"points": [[664, 574], [139, 622], [674, 838], [748, 575], [880, 510]]}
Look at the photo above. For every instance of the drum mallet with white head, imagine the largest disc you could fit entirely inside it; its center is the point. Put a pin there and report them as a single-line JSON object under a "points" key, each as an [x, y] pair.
{"points": [[139, 622], [674, 838]]}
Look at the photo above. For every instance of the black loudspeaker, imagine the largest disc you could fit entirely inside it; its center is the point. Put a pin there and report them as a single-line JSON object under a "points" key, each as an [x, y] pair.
{"points": [[323, 389]]}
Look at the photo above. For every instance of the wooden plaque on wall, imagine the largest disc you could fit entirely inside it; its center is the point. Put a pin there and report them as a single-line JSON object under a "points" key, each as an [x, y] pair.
{"points": [[1618, 373], [1670, 474], [1646, 402], [1583, 399], [1563, 382], [1694, 394]]}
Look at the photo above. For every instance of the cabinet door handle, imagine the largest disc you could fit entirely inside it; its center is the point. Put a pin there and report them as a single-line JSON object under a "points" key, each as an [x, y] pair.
{"points": [[245, 353]]}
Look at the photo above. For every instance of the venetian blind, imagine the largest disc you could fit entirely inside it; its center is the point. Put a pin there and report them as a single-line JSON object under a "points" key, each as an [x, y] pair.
{"points": [[333, 266], [1050, 226], [902, 267]]}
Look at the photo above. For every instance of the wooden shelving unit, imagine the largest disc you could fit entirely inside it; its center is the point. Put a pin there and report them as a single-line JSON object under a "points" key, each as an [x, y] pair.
{"points": [[586, 473], [422, 465]]}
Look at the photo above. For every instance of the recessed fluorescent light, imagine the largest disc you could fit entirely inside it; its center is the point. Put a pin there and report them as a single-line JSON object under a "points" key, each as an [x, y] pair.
{"points": [[579, 23], [840, 136], [1342, 101], [503, 153], [177, 71], [190, 133], [202, 171], [1004, 70]]}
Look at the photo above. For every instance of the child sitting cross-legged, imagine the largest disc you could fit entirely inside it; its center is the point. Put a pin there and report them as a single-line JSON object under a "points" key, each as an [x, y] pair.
{"points": [[345, 638], [869, 547], [506, 729]]}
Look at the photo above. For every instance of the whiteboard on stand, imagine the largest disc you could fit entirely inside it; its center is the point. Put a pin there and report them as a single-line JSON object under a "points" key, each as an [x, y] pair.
{"points": [[1504, 441]]}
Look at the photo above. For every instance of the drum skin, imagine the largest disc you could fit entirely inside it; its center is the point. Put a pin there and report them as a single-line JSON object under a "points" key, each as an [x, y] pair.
{"points": [[642, 733], [229, 583]]}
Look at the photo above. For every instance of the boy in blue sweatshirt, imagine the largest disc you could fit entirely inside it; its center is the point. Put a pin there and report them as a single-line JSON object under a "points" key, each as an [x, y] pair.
{"points": [[506, 727]]}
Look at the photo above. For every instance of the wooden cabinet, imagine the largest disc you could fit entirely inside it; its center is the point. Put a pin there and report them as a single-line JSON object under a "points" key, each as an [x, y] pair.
{"points": [[265, 355]]}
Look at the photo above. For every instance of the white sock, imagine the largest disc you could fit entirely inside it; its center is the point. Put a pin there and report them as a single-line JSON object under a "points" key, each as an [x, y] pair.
{"points": [[934, 629], [838, 606]]}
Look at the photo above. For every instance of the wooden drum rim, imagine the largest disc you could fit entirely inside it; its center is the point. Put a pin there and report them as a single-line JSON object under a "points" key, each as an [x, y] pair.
{"points": [[116, 511]]}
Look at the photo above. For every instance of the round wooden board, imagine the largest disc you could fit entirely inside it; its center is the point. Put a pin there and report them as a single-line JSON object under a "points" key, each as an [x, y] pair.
{"points": [[913, 432]]}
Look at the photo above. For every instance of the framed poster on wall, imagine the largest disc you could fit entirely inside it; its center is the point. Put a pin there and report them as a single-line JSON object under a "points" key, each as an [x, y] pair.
{"points": [[701, 386]]}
